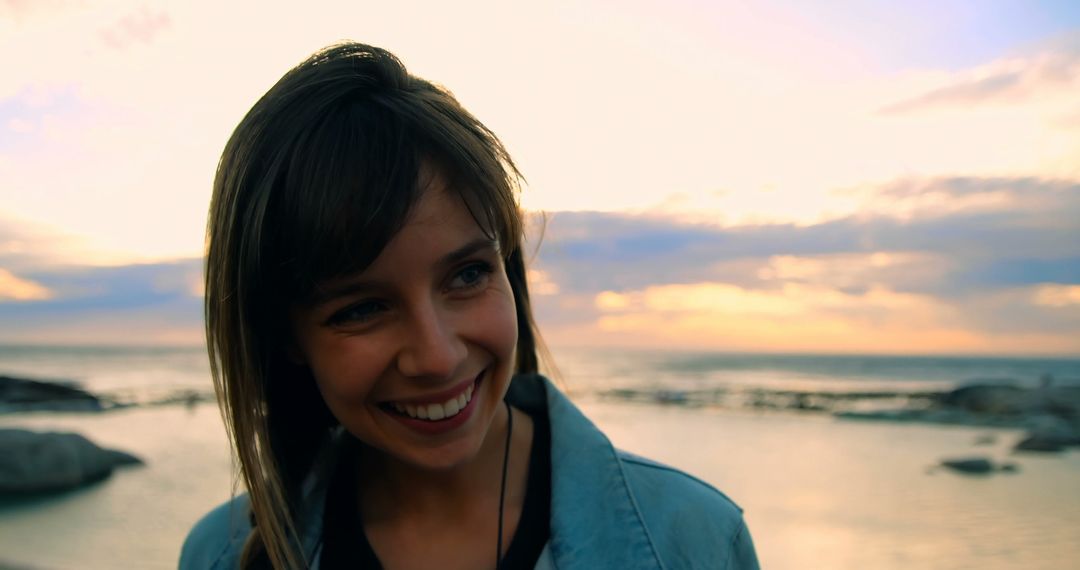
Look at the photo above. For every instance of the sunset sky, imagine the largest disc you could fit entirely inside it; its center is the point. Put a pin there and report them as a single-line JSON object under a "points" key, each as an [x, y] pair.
{"points": [[843, 176]]}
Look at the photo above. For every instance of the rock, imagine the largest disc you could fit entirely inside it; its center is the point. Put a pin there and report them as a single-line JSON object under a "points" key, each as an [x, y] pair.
{"points": [[1047, 442], [1036, 443], [1062, 401], [978, 466], [890, 415], [42, 462], [1011, 400], [19, 395], [989, 399], [676, 397]]}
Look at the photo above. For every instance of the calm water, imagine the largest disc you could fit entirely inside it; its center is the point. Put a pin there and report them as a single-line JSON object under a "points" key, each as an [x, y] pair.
{"points": [[818, 492], [154, 370]]}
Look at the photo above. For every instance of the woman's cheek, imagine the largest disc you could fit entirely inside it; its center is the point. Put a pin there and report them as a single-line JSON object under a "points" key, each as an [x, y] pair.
{"points": [[501, 319], [349, 369]]}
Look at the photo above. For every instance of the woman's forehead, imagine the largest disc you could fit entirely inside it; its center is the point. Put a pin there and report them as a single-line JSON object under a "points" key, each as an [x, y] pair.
{"points": [[441, 196], [438, 230]]}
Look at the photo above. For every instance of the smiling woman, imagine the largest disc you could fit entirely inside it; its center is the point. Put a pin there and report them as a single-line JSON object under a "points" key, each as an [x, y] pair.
{"points": [[375, 356]]}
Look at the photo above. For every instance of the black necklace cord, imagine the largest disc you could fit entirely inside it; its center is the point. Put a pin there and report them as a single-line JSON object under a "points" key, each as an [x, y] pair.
{"points": [[502, 487]]}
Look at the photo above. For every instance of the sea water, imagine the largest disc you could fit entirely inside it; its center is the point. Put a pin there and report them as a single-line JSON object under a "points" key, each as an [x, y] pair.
{"points": [[818, 492]]}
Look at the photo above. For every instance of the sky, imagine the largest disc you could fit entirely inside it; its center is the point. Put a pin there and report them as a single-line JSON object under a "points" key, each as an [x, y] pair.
{"points": [[777, 176]]}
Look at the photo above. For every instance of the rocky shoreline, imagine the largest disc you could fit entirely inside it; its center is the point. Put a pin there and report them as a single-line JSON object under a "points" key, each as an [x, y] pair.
{"points": [[1049, 413], [32, 462], [25, 395], [18, 395], [37, 463]]}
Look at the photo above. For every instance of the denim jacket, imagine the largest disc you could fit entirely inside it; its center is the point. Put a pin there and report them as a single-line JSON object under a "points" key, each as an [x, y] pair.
{"points": [[609, 509]]}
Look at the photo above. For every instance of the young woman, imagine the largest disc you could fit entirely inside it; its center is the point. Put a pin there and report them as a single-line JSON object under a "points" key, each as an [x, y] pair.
{"points": [[375, 356]]}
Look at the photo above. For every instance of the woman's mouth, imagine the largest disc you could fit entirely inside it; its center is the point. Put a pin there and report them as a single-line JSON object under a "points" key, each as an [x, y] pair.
{"points": [[435, 412], [443, 410]]}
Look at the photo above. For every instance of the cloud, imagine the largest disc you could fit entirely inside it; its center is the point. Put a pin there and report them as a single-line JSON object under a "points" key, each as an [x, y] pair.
{"points": [[540, 283], [21, 10], [27, 246], [1002, 82], [15, 289], [944, 236], [134, 304], [31, 116], [138, 27], [991, 262], [812, 318], [1054, 295]]}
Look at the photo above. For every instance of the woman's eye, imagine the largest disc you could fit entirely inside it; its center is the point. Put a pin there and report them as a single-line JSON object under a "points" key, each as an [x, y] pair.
{"points": [[471, 276], [358, 313]]}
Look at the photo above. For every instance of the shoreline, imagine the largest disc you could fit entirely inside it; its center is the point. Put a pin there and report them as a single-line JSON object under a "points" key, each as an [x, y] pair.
{"points": [[793, 473]]}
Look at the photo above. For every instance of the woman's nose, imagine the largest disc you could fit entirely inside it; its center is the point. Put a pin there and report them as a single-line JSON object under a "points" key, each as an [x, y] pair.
{"points": [[432, 347]]}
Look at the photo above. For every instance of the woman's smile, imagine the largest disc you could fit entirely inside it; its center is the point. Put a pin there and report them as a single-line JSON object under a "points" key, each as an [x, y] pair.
{"points": [[439, 413]]}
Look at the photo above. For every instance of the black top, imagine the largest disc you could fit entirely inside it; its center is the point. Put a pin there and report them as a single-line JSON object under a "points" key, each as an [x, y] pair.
{"points": [[346, 546]]}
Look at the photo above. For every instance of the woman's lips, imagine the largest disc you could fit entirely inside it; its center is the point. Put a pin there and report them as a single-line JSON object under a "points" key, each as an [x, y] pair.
{"points": [[437, 411], [436, 408], [434, 425]]}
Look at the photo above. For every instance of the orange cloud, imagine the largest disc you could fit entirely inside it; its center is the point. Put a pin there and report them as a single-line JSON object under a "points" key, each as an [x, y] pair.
{"points": [[540, 283], [1054, 295], [13, 288], [803, 318]]}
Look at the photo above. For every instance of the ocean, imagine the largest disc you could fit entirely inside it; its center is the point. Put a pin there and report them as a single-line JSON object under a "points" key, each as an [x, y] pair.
{"points": [[818, 490]]}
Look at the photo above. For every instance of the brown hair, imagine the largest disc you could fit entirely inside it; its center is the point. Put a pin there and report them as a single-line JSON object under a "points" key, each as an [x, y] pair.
{"points": [[315, 180]]}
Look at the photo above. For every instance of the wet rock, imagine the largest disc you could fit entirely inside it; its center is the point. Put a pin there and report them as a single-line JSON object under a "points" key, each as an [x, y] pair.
{"points": [[977, 466], [43, 462], [1011, 400], [21, 395], [989, 399], [671, 397], [1061, 401], [1048, 442]]}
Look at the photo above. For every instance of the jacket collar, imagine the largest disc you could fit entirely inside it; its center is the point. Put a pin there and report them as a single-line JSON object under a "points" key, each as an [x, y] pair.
{"points": [[595, 520]]}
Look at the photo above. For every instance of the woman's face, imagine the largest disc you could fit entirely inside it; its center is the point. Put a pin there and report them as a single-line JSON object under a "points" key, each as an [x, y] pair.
{"points": [[414, 354]]}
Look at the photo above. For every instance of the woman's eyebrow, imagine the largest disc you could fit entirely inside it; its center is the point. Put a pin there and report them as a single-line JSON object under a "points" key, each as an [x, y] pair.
{"points": [[473, 247], [325, 293]]}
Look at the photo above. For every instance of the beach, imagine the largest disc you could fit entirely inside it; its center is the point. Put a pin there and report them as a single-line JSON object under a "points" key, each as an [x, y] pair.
{"points": [[819, 491]]}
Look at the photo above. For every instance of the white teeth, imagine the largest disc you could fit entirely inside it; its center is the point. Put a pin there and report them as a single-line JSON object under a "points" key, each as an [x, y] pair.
{"points": [[437, 412]]}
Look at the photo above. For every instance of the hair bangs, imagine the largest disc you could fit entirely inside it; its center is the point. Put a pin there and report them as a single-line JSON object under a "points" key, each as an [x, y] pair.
{"points": [[473, 163], [348, 188], [351, 180]]}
